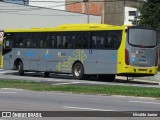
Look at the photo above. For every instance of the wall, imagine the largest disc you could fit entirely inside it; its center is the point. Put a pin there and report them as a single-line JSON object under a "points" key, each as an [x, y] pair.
{"points": [[20, 16], [128, 18], [53, 4], [111, 11], [22, 2], [115, 11], [96, 8]]}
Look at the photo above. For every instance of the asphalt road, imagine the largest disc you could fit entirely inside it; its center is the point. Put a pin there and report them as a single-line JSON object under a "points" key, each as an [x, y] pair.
{"points": [[15, 99], [23, 100]]}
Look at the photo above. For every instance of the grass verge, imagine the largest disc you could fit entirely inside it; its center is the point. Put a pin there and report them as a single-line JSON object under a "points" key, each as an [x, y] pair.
{"points": [[99, 89]]}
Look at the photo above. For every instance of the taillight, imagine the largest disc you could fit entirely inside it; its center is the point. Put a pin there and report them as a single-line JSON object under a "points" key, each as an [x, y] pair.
{"points": [[126, 56]]}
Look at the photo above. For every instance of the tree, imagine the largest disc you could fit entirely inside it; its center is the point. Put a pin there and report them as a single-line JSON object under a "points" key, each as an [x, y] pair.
{"points": [[150, 14]]}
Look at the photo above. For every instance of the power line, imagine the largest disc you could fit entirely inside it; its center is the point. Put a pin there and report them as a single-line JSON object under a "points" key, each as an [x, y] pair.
{"points": [[70, 2], [39, 8]]}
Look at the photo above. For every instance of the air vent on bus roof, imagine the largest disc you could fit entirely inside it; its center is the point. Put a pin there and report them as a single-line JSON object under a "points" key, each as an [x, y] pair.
{"points": [[48, 28], [35, 28], [91, 25]]}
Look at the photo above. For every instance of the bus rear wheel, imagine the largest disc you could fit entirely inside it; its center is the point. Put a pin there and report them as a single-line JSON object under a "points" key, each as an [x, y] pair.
{"points": [[78, 71], [108, 78], [20, 69]]}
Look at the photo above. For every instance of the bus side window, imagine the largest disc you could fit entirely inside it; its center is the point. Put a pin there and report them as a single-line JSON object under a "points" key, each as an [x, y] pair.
{"points": [[71, 40], [78, 44], [19, 40], [15, 42], [81, 40], [93, 44], [28, 43], [113, 39], [41, 43], [84, 41], [59, 43], [97, 40], [40, 40], [53, 42], [46, 45], [77, 41], [118, 38], [65, 42], [109, 41]]}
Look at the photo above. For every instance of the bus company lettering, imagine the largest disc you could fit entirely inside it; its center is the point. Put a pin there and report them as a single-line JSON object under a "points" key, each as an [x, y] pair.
{"points": [[60, 54], [145, 114], [22, 115]]}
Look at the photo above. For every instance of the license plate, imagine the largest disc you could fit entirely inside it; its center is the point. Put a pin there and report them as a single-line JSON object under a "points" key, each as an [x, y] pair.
{"points": [[143, 61]]}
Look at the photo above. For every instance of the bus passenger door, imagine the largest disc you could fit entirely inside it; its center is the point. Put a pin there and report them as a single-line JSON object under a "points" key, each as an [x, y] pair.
{"points": [[1, 57], [7, 47]]}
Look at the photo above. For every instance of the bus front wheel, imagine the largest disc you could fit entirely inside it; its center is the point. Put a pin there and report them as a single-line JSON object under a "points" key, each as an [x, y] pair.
{"points": [[20, 69], [78, 71]]}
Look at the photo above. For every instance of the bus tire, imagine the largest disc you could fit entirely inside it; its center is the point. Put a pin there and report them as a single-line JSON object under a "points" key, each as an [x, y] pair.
{"points": [[78, 71], [46, 74], [108, 78], [20, 69]]}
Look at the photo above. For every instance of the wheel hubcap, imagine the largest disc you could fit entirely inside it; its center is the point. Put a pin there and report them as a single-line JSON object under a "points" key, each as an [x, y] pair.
{"points": [[18, 67], [77, 71]]}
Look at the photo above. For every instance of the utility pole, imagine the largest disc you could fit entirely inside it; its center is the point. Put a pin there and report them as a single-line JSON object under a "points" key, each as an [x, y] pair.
{"points": [[88, 9]]}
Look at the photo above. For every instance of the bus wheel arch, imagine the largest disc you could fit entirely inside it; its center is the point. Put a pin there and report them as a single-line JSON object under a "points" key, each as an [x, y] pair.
{"points": [[18, 65], [78, 70]]}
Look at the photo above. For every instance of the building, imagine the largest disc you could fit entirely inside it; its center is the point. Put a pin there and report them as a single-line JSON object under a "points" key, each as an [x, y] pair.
{"points": [[20, 2], [96, 6], [21, 16], [116, 12], [53, 4]]}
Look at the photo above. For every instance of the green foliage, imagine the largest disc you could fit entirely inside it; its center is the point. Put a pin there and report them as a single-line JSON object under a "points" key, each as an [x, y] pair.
{"points": [[97, 89], [150, 14], [153, 1]]}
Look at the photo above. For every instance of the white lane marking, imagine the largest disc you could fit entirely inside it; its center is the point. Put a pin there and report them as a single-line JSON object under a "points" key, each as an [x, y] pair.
{"points": [[80, 108], [144, 102], [67, 83], [7, 92], [10, 89], [4, 72]]}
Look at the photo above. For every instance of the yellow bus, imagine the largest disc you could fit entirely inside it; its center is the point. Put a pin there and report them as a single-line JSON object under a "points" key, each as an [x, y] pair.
{"points": [[83, 50]]}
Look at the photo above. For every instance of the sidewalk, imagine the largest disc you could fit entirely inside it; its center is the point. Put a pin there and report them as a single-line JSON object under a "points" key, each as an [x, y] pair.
{"points": [[152, 79]]}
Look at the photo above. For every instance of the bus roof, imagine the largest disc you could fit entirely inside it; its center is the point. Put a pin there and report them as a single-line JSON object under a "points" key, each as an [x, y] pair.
{"points": [[71, 27]]}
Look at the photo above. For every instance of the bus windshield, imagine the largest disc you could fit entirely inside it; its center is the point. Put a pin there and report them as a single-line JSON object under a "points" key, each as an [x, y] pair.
{"points": [[142, 37]]}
